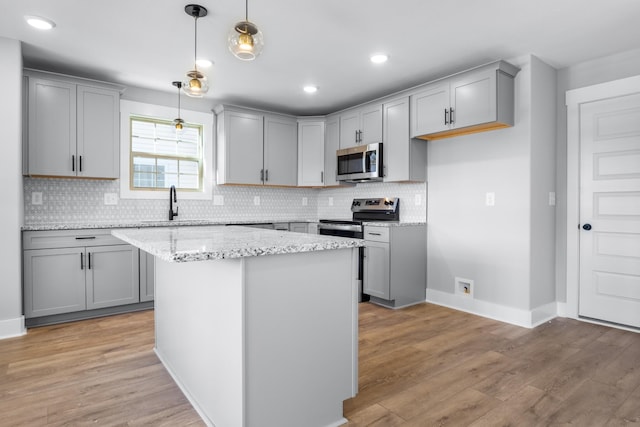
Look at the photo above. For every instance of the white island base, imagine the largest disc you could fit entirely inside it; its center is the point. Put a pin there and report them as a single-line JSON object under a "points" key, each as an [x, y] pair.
{"points": [[261, 340]]}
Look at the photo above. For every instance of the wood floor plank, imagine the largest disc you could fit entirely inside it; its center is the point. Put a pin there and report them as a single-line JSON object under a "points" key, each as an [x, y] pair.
{"points": [[628, 413], [510, 412]]}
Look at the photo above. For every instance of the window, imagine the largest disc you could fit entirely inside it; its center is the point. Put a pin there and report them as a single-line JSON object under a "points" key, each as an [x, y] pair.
{"points": [[161, 156], [161, 160]]}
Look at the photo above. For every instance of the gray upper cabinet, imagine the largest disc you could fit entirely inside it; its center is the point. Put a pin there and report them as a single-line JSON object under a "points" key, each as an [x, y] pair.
{"points": [[404, 158], [361, 125], [280, 150], [240, 147], [71, 128], [98, 132], [311, 152], [331, 145], [474, 101], [255, 148]]}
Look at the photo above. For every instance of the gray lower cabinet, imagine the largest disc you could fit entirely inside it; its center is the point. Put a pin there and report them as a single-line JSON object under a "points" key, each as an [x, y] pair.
{"points": [[395, 265], [147, 276], [77, 270], [299, 227]]}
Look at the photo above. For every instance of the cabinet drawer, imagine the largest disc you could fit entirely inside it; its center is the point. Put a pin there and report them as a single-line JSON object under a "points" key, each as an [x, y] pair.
{"points": [[67, 239], [376, 234]]}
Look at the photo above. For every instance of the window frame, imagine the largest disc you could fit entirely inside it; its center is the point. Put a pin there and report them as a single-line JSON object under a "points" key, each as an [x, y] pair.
{"points": [[160, 113], [132, 154]]}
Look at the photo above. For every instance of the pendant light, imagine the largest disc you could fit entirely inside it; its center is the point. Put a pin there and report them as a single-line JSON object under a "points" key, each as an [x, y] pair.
{"points": [[245, 39], [178, 122], [196, 84]]}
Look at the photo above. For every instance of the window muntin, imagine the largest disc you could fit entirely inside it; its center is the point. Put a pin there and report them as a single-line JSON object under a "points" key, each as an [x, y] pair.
{"points": [[161, 156]]}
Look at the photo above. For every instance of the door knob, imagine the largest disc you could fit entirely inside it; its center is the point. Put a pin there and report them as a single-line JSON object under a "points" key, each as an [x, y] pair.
{"points": [[587, 227]]}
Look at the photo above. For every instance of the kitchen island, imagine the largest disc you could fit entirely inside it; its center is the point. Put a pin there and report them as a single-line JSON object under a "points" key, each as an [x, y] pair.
{"points": [[257, 327]]}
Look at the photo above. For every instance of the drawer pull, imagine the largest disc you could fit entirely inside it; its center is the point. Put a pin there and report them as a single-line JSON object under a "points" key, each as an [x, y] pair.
{"points": [[86, 238], [89, 261], [375, 234]]}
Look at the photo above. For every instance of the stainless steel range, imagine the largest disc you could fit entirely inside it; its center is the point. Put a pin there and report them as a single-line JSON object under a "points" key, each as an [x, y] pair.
{"points": [[363, 210]]}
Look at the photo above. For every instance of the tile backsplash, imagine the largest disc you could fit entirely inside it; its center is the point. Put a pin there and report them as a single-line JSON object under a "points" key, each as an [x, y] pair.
{"points": [[82, 201]]}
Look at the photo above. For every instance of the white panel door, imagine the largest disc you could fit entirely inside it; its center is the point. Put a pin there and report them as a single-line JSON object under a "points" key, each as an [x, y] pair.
{"points": [[610, 210]]}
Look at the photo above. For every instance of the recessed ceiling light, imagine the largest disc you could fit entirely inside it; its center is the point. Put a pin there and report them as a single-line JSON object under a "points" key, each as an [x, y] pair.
{"points": [[311, 89], [379, 58], [204, 63], [40, 22]]}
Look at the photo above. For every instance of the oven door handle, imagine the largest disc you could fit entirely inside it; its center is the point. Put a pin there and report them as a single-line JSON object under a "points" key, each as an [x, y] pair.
{"points": [[340, 227]]}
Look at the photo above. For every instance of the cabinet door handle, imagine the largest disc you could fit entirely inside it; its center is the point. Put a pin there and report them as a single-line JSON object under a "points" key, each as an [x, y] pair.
{"points": [[360, 136], [80, 164], [322, 176], [266, 175], [73, 163], [86, 238], [356, 137], [451, 116], [81, 261], [89, 260], [446, 116], [261, 174]]}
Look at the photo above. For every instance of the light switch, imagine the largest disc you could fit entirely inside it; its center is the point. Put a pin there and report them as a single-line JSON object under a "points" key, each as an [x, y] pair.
{"points": [[36, 198], [256, 200], [218, 200], [305, 201], [110, 198], [417, 199], [330, 201], [490, 199]]}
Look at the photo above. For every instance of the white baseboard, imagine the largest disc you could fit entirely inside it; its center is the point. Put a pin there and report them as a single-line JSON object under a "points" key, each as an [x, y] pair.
{"points": [[10, 328], [562, 309], [515, 316]]}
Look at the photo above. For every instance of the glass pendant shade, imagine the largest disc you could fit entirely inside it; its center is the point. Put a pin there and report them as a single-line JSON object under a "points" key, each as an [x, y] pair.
{"points": [[245, 41], [196, 84], [178, 122]]}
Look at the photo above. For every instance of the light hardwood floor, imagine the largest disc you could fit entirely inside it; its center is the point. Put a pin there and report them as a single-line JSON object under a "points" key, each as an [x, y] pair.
{"points": [[421, 366]]}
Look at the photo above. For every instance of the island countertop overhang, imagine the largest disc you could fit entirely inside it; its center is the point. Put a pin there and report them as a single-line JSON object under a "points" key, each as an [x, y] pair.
{"points": [[186, 244]]}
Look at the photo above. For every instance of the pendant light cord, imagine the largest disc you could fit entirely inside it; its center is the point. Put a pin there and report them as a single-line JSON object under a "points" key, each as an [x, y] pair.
{"points": [[195, 45], [246, 10]]}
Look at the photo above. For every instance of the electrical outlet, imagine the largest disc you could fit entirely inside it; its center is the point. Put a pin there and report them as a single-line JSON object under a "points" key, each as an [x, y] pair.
{"points": [[256, 200], [417, 199], [218, 200], [330, 201], [305, 201], [552, 198], [36, 198], [110, 199], [490, 199]]}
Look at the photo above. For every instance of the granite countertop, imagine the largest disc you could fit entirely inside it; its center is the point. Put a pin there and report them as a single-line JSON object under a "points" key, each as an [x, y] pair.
{"points": [[393, 223], [185, 244], [147, 224]]}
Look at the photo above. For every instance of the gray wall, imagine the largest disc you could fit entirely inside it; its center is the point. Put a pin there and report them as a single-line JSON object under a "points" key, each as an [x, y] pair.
{"points": [[466, 238], [543, 181], [614, 67], [507, 249], [10, 175]]}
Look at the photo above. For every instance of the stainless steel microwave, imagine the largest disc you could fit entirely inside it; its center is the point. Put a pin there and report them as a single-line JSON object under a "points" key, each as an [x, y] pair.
{"points": [[361, 163]]}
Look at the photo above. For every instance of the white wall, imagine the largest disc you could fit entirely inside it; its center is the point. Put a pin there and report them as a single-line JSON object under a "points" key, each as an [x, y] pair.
{"points": [[11, 319], [614, 67]]}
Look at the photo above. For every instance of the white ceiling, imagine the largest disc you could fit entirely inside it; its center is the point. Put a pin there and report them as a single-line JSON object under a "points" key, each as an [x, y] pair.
{"points": [[149, 43]]}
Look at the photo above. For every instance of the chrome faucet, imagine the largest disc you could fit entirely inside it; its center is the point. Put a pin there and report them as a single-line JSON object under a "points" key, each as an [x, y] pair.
{"points": [[173, 198]]}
